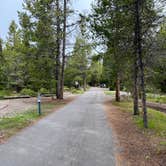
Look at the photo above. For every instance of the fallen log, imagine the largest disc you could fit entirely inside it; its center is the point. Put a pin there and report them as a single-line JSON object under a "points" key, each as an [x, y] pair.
{"points": [[15, 97]]}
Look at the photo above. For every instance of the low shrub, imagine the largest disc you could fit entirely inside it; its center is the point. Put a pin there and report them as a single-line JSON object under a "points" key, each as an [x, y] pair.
{"points": [[43, 91], [5, 93], [28, 92], [66, 88]]}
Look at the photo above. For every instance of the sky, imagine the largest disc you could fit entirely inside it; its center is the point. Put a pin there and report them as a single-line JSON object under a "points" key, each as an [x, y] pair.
{"points": [[9, 8]]}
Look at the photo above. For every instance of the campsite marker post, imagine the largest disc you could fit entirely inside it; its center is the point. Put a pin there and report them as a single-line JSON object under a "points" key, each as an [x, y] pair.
{"points": [[39, 103]]}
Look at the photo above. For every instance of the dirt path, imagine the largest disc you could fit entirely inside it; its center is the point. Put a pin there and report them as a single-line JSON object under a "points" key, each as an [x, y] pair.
{"points": [[135, 148]]}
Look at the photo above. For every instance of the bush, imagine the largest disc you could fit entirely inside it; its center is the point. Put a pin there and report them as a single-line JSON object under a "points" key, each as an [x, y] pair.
{"points": [[66, 88], [43, 91], [5, 93], [29, 92], [77, 91]]}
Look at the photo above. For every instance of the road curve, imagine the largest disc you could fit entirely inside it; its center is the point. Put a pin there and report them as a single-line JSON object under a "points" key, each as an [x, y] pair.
{"points": [[77, 135]]}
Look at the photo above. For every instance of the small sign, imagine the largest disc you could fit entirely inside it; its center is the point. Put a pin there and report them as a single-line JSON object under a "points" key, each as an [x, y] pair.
{"points": [[39, 103]]}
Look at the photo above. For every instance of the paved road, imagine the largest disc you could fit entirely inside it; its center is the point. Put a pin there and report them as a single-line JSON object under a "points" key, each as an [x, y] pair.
{"points": [[77, 135]]}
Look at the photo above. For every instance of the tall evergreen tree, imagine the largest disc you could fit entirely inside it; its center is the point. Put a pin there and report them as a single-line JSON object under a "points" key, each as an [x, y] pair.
{"points": [[77, 65], [139, 54], [13, 58], [38, 23], [63, 48], [26, 48], [58, 47]]}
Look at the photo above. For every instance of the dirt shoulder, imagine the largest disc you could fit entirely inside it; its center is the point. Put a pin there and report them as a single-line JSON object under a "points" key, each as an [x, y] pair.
{"points": [[134, 147]]}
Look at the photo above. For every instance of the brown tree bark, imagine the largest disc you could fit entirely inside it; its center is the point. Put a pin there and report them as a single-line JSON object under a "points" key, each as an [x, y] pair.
{"points": [[117, 93], [58, 43], [84, 82], [63, 50], [135, 95], [138, 37], [135, 87]]}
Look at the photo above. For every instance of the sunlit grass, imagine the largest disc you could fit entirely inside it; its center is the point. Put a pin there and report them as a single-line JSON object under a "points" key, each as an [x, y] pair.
{"points": [[11, 125], [156, 119], [109, 92], [156, 98]]}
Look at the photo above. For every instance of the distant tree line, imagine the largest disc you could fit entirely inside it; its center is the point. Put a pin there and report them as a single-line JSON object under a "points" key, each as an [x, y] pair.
{"points": [[34, 58]]}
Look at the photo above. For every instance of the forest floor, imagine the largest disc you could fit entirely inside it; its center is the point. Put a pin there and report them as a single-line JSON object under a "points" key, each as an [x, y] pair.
{"points": [[135, 146]]}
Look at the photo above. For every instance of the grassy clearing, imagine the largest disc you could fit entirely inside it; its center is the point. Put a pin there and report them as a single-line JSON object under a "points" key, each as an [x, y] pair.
{"points": [[5, 93], [11, 125], [156, 98], [74, 90], [156, 119], [77, 91], [109, 92]]}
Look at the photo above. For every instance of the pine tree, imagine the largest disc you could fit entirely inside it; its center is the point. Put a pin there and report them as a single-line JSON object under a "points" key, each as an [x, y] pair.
{"points": [[39, 33], [77, 65], [13, 58], [63, 48], [58, 51]]}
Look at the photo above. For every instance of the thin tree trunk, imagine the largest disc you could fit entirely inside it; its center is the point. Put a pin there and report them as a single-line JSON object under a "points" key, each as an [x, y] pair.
{"points": [[139, 52], [84, 82], [58, 42], [135, 95], [143, 94], [136, 70], [117, 94], [63, 50]]}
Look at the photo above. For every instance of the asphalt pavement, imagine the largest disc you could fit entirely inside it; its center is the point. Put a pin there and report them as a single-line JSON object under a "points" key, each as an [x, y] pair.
{"points": [[76, 135]]}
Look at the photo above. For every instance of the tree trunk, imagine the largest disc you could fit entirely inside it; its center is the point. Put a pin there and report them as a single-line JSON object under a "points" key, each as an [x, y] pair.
{"points": [[84, 82], [135, 95], [117, 94], [63, 50], [143, 94], [140, 59], [58, 42]]}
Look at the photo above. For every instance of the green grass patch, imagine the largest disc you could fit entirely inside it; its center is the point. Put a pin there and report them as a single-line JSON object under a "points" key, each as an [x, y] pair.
{"points": [[11, 125], [109, 92], [163, 143], [77, 91], [156, 119], [74, 90], [156, 98], [5, 93]]}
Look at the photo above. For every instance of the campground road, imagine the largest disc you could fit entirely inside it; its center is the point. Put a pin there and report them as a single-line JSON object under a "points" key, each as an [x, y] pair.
{"points": [[76, 135]]}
